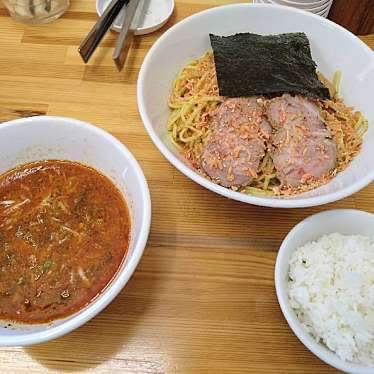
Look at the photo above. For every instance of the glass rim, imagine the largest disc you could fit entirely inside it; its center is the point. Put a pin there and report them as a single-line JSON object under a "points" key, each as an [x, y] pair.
{"points": [[34, 3]]}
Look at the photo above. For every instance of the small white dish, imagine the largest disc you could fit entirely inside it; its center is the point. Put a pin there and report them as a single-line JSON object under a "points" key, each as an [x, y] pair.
{"points": [[40, 138], [325, 12], [329, 45], [308, 3], [344, 221], [150, 16], [312, 6]]}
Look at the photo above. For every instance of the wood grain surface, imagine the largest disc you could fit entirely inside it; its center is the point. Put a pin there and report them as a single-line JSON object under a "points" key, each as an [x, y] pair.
{"points": [[202, 299]]}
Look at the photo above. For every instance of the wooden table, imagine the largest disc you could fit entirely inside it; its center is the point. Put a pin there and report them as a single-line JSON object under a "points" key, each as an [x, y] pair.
{"points": [[202, 299]]}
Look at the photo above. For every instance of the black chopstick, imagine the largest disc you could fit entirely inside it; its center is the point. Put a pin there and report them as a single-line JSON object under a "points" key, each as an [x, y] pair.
{"points": [[94, 37]]}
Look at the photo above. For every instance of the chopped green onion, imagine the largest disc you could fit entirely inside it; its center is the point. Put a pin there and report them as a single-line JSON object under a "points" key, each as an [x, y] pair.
{"points": [[46, 265]]}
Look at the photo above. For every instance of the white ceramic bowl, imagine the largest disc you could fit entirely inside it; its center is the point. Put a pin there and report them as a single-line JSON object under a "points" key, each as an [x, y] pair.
{"points": [[308, 2], [321, 8], [189, 39], [150, 16], [310, 6], [40, 138], [344, 221]]}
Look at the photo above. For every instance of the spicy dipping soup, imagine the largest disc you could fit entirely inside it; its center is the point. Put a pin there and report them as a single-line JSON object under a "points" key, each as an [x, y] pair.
{"points": [[64, 231]]}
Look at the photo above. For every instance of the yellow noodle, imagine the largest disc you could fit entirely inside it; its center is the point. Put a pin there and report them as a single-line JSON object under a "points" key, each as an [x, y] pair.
{"points": [[195, 96], [336, 82]]}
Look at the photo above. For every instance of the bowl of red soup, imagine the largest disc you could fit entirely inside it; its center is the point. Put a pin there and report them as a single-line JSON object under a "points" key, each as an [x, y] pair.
{"points": [[75, 214]]}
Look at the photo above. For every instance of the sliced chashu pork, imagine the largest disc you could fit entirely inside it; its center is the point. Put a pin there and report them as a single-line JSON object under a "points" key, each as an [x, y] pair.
{"points": [[303, 147], [233, 152]]}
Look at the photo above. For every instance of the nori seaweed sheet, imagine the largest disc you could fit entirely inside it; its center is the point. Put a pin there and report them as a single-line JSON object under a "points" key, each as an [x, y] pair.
{"points": [[250, 64]]}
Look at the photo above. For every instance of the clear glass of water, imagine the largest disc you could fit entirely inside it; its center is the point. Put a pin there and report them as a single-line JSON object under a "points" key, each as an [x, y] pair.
{"points": [[36, 11]]}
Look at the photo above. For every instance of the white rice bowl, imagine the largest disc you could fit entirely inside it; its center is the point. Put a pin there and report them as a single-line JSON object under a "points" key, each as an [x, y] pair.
{"points": [[331, 290]]}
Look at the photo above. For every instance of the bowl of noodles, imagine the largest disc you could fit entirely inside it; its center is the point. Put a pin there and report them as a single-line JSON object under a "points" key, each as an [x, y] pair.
{"points": [[279, 149]]}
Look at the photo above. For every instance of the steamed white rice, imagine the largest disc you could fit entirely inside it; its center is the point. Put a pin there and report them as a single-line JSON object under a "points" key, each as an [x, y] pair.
{"points": [[331, 289]]}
